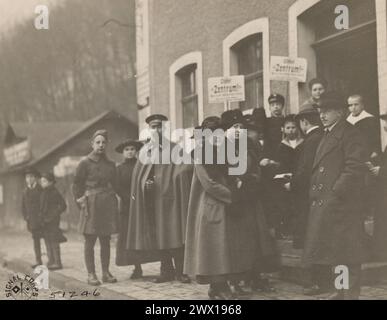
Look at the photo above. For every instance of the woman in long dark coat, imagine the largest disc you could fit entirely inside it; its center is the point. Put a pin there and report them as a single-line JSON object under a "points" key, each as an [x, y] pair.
{"points": [[93, 189], [250, 233], [207, 252], [128, 149]]}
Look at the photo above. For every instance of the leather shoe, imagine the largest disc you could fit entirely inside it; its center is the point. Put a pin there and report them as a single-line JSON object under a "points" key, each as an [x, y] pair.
{"points": [[136, 274], [108, 278], [183, 278], [93, 280]]}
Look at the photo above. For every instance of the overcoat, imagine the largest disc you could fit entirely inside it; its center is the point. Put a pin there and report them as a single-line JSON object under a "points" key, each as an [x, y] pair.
{"points": [[31, 209], [380, 220], [124, 179], [52, 206], [207, 250], [300, 184], [156, 218], [95, 183], [335, 232]]}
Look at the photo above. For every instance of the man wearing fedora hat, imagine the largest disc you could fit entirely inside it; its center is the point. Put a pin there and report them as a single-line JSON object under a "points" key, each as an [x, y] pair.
{"points": [[335, 232], [31, 210]]}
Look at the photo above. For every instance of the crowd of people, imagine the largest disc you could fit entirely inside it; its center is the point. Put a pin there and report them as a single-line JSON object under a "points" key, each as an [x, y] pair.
{"points": [[312, 178]]}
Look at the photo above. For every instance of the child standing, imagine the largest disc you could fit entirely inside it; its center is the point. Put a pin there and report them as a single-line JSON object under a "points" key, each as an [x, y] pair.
{"points": [[52, 205], [31, 211], [286, 156]]}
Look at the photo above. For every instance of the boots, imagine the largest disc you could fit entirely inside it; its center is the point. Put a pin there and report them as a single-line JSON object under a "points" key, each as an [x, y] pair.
{"points": [[93, 280], [107, 277], [57, 264], [38, 253], [50, 254]]}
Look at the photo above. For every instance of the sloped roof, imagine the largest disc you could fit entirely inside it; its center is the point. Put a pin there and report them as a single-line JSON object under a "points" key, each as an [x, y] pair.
{"points": [[47, 137]]}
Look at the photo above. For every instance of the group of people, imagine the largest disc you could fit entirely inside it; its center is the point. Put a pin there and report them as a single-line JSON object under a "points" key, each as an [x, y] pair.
{"points": [[42, 205], [310, 178]]}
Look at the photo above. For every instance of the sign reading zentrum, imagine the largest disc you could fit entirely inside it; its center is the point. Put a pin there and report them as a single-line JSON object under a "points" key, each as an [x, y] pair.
{"points": [[226, 89]]}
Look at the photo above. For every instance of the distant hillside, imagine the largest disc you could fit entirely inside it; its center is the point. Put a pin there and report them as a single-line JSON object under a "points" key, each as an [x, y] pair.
{"points": [[84, 64]]}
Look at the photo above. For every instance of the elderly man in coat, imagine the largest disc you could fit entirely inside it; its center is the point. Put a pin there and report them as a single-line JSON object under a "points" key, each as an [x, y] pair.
{"points": [[335, 233], [157, 212]]}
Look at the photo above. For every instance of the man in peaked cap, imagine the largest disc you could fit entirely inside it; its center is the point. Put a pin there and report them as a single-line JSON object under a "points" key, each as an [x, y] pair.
{"points": [[335, 228], [157, 213]]}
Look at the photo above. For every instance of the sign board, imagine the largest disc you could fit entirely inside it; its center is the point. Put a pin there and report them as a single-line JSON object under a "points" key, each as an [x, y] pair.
{"points": [[18, 153], [226, 89], [288, 69]]}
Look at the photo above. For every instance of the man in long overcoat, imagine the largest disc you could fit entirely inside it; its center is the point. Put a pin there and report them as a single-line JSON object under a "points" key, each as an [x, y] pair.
{"points": [[335, 233], [157, 218]]}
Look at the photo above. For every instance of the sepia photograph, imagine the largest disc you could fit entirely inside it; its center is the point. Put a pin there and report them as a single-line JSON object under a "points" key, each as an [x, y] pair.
{"points": [[191, 155]]}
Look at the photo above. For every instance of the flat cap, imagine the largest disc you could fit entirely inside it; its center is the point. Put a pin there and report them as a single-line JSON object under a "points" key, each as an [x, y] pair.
{"points": [[276, 97], [102, 133], [33, 171], [231, 117]]}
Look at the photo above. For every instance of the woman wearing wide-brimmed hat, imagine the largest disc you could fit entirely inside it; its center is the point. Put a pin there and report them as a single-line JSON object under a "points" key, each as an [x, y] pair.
{"points": [[124, 257], [93, 189]]}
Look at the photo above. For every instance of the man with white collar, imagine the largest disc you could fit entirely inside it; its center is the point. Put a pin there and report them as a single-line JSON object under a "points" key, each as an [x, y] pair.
{"points": [[365, 122]]}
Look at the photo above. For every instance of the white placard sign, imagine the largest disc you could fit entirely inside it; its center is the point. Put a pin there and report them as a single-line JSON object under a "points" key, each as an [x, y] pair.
{"points": [[288, 69], [226, 89]]}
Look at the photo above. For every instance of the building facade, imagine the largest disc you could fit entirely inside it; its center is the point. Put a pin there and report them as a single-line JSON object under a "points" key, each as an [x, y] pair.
{"points": [[182, 43]]}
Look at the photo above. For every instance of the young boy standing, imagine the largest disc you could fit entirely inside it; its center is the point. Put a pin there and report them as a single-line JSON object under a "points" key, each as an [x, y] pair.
{"points": [[286, 156], [31, 211], [52, 205]]}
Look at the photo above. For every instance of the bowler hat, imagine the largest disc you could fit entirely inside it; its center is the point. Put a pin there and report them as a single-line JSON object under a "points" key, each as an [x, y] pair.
{"points": [[156, 116], [49, 176], [134, 143], [212, 123], [331, 100], [33, 171], [307, 109], [275, 97], [232, 117]]}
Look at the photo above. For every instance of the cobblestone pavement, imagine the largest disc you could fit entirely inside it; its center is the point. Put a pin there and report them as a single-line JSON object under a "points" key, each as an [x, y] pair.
{"points": [[19, 246]]}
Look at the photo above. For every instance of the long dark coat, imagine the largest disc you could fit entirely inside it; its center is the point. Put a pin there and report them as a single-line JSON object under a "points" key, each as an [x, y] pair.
{"points": [[124, 179], [207, 250], [94, 182], [249, 234], [380, 221], [156, 218], [52, 206], [31, 210], [300, 184], [335, 232]]}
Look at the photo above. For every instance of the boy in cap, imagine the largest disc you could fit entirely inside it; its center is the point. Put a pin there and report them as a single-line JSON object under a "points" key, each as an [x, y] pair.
{"points": [[272, 138], [128, 149], [31, 210], [52, 205]]}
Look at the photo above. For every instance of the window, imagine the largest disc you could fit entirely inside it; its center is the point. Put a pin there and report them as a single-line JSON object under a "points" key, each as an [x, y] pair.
{"points": [[189, 96], [250, 64]]}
